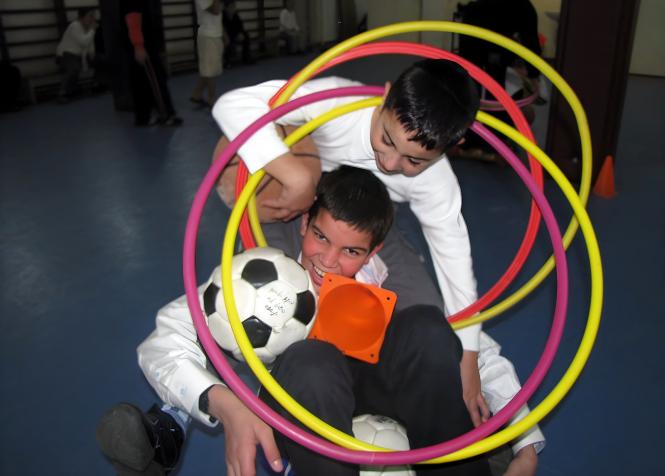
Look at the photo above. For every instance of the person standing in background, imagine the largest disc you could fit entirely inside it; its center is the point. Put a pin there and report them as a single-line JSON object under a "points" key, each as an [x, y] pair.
{"points": [[515, 19], [234, 31], [147, 74], [289, 29], [75, 48], [210, 48]]}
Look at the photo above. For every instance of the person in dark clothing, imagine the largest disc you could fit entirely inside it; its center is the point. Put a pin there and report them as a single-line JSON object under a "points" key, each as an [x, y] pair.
{"points": [[236, 34], [147, 74], [516, 19]]}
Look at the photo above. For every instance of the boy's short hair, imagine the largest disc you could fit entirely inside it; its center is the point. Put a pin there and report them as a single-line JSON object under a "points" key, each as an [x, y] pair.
{"points": [[436, 99], [357, 197]]}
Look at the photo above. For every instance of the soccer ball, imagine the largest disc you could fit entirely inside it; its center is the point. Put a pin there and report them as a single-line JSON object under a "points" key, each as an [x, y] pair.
{"points": [[275, 300], [382, 431]]}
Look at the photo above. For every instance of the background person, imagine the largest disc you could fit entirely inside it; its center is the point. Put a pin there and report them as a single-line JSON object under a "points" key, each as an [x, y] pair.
{"points": [[148, 84], [75, 49], [289, 29], [515, 19], [210, 48], [234, 29]]}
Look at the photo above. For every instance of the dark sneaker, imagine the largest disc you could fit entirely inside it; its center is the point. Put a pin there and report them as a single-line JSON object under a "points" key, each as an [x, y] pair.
{"points": [[139, 443]]}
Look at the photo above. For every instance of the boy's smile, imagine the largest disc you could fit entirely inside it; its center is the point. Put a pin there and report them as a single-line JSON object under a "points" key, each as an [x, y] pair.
{"points": [[333, 246]]}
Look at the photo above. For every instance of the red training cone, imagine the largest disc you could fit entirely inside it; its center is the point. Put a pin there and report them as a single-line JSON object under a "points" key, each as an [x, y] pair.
{"points": [[604, 186]]}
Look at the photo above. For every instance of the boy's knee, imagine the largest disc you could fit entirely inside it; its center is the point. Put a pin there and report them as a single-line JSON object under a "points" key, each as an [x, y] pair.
{"points": [[425, 330], [314, 363], [317, 375]]}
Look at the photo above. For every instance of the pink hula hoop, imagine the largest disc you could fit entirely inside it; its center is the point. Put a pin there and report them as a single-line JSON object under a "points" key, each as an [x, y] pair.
{"points": [[300, 436]]}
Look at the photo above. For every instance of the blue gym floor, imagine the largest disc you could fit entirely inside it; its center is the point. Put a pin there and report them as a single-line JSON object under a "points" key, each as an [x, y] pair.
{"points": [[93, 212]]}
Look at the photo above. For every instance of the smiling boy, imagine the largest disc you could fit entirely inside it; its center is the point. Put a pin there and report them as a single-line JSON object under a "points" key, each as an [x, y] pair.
{"points": [[416, 380]]}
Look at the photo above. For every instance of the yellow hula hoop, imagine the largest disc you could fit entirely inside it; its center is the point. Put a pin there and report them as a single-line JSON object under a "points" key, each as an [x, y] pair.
{"points": [[489, 443], [526, 54]]}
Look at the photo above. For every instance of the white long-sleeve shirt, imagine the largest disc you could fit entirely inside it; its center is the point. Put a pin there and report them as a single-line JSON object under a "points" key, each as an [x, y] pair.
{"points": [[177, 368], [77, 41], [434, 195]]}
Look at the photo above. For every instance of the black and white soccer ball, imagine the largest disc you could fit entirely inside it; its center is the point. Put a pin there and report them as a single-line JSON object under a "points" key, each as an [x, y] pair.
{"points": [[385, 432], [275, 300]]}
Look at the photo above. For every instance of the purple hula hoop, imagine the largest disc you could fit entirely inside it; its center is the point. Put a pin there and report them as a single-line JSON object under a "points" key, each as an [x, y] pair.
{"points": [[293, 432]]}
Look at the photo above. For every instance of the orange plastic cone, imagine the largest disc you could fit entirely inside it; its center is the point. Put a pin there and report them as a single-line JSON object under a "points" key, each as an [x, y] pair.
{"points": [[604, 186], [353, 316]]}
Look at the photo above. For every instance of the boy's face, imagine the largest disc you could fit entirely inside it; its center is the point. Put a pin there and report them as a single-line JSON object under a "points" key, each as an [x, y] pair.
{"points": [[393, 151], [332, 246]]}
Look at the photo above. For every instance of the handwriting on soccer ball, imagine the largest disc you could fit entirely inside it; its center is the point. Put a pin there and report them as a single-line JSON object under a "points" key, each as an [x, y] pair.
{"points": [[278, 301]]}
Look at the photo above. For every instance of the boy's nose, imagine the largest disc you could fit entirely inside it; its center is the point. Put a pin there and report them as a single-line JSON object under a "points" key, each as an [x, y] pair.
{"points": [[391, 162], [329, 258]]}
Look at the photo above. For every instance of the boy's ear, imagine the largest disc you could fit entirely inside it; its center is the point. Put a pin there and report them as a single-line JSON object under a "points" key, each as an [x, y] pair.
{"points": [[304, 221], [376, 249]]}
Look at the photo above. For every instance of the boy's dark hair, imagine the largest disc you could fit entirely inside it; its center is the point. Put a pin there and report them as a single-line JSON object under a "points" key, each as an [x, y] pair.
{"points": [[436, 99], [357, 197]]}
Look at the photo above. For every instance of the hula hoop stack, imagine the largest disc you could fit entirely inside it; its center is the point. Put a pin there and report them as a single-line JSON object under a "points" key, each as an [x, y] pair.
{"points": [[332, 442]]}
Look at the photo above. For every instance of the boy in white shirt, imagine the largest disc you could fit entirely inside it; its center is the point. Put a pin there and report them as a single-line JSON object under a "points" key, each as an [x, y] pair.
{"points": [[75, 48]]}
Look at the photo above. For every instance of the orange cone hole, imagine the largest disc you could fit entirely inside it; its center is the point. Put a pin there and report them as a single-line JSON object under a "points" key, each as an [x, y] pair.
{"points": [[353, 316]]}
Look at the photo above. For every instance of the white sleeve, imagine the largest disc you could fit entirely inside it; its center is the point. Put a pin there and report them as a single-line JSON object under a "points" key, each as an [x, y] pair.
{"points": [[83, 38], [436, 200], [499, 384], [237, 109], [174, 362]]}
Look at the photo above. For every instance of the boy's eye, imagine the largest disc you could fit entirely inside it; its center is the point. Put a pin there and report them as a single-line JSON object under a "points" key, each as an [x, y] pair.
{"points": [[319, 236], [413, 161], [386, 140], [352, 252]]}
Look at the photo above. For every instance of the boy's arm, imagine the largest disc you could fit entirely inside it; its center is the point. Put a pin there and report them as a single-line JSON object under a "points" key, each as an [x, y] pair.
{"points": [[525, 463], [500, 384], [243, 431], [237, 109], [471, 387], [174, 363], [435, 198]]}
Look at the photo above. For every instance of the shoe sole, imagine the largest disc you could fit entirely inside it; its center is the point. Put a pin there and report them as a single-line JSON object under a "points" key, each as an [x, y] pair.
{"points": [[123, 439]]}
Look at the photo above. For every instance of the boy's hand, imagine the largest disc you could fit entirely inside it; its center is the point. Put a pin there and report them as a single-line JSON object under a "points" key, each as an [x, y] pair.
{"points": [[524, 463], [298, 187], [473, 398], [243, 431]]}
